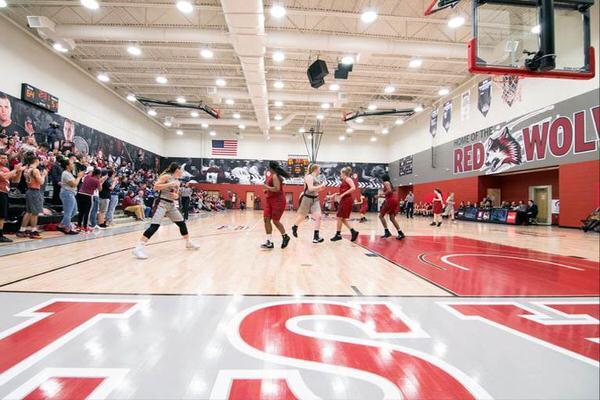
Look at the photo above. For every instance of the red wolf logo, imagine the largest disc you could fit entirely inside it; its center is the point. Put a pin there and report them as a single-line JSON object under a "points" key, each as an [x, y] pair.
{"points": [[502, 152]]}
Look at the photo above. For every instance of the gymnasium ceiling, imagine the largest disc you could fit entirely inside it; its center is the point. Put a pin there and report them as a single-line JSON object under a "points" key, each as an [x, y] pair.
{"points": [[170, 42]]}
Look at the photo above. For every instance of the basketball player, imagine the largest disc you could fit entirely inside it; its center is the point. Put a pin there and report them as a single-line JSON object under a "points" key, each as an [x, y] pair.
{"points": [[438, 206], [390, 208], [344, 199], [364, 207], [309, 202], [167, 186], [275, 204]]}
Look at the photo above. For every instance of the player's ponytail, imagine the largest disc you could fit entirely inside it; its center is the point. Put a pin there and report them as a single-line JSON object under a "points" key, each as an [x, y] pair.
{"points": [[171, 169], [275, 167]]}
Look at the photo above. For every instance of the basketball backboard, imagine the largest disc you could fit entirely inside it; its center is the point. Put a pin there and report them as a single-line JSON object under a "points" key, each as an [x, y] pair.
{"points": [[533, 38]]}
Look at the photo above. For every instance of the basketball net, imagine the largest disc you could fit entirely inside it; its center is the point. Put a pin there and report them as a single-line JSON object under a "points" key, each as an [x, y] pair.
{"points": [[511, 89], [312, 141]]}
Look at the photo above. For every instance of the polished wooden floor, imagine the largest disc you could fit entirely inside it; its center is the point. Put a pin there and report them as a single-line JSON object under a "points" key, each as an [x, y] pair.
{"points": [[230, 261]]}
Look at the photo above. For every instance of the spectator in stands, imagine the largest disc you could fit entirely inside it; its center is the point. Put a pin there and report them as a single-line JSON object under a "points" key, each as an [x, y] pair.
{"points": [[185, 198], [522, 207], [96, 205], [55, 177], [242, 205], [410, 204], [6, 177], [513, 206], [486, 202], [115, 192], [104, 196], [592, 222], [68, 193], [35, 175], [92, 181], [131, 204]]}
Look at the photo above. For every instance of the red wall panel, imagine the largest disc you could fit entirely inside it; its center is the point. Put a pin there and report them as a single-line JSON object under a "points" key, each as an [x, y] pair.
{"points": [[579, 191], [516, 187], [465, 189]]}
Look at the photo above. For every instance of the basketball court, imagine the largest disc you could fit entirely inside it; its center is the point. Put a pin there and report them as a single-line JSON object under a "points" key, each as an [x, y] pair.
{"points": [[237, 101]]}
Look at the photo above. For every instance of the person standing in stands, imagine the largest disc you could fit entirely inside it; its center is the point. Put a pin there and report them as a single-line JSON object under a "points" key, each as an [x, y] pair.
{"points": [[344, 199], [55, 177], [275, 205], [450, 206], [186, 197], [90, 184], [438, 207], [34, 197], [68, 193], [410, 204], [6, 176], [167, 186], [390, 208], [104, 196], [115, 191]]}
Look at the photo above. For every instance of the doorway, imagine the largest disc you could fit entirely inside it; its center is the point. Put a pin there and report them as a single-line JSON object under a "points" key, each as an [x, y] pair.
{"points": [[289, 200], [250, 200], [494, 195], [542, 196]]}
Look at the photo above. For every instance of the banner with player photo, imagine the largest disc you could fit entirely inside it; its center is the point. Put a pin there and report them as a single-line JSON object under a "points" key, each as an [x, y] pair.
{"points": [[465, 105], [447, 115], [433, 122], [23, 119], [252, 172], [484, 88]]}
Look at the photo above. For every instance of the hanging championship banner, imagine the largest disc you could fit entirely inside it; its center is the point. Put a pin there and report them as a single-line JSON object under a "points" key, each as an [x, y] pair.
{"points": [[447, 115], [465, 105], [433, 122], [485, 96]]}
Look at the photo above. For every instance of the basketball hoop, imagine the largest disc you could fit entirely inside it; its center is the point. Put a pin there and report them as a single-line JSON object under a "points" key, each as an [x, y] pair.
{"points": [[312, 141], [511, 88]]}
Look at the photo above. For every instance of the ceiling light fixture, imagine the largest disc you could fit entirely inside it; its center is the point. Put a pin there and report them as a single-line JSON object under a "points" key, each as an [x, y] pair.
{"points": [[237, 116], [3, 4], [278, 84], [102, 77], [278, 128], [230, 102], [59, 47], [368, 16], [179, 132], [185, 6], [91, 4], [220, 82], [418, 108], [342, 138], [278, 103], [536, 29], [325, 106], [204, 125], [206, 53], [134, 50], [194, 114], [278, 56], [278, 117], [415, 63], [334, 87], [152, 112], [161, 79], [180, 100], [372, 107], [456, 21], [360, 120], [373, 139], [212, 133], [385, 131], [389, 89], [399, 121], [301, 130], [320, 117], [168, 123], [277, 11], [131, 97], [347, 60], [242, 126], [443, 91], [349, 130]]}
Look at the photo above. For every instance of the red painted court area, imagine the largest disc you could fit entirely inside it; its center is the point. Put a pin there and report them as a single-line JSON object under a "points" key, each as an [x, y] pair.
{"points": [[472, 267]]}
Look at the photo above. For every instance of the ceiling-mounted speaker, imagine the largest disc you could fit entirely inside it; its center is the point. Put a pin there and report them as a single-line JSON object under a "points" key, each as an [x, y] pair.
{"points": [[316, 73], [341, 74]]}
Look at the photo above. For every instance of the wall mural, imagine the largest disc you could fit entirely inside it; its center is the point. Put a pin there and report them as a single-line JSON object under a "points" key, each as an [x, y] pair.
{"points": [[23, 119], [252, 172]]}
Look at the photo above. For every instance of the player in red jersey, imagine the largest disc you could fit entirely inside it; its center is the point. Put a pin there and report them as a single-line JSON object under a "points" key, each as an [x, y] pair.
{"points": [[390, 208], [344, 198], [364, 207], [275, 204]]}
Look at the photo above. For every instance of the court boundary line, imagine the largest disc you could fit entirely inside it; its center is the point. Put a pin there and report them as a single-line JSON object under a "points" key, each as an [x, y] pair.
{"points": [[294, 295]]}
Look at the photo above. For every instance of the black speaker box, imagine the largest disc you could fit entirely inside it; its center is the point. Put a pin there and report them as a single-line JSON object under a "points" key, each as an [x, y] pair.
{"points": [[317, 71]]}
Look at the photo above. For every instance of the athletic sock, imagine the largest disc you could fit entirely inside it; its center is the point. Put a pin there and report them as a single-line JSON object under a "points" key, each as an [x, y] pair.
{"points": [[339, 233], [269, 238]]}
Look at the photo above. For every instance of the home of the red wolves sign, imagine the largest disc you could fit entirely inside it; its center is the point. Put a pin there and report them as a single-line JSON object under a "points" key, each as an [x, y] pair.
{"points": [[551, 132]]}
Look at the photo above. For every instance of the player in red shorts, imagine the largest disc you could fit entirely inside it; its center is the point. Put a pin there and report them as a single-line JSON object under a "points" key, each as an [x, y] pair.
{"points": [[345, 201], [364, 207], [275, 204], [390, 208]]}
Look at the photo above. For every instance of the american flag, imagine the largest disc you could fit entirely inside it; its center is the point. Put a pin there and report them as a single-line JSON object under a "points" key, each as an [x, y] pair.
{"points": [[224, 147]]}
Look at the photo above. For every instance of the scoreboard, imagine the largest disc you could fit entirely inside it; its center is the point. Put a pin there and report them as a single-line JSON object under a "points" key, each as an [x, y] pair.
{"points": [[39, 97], [297, 166]]}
